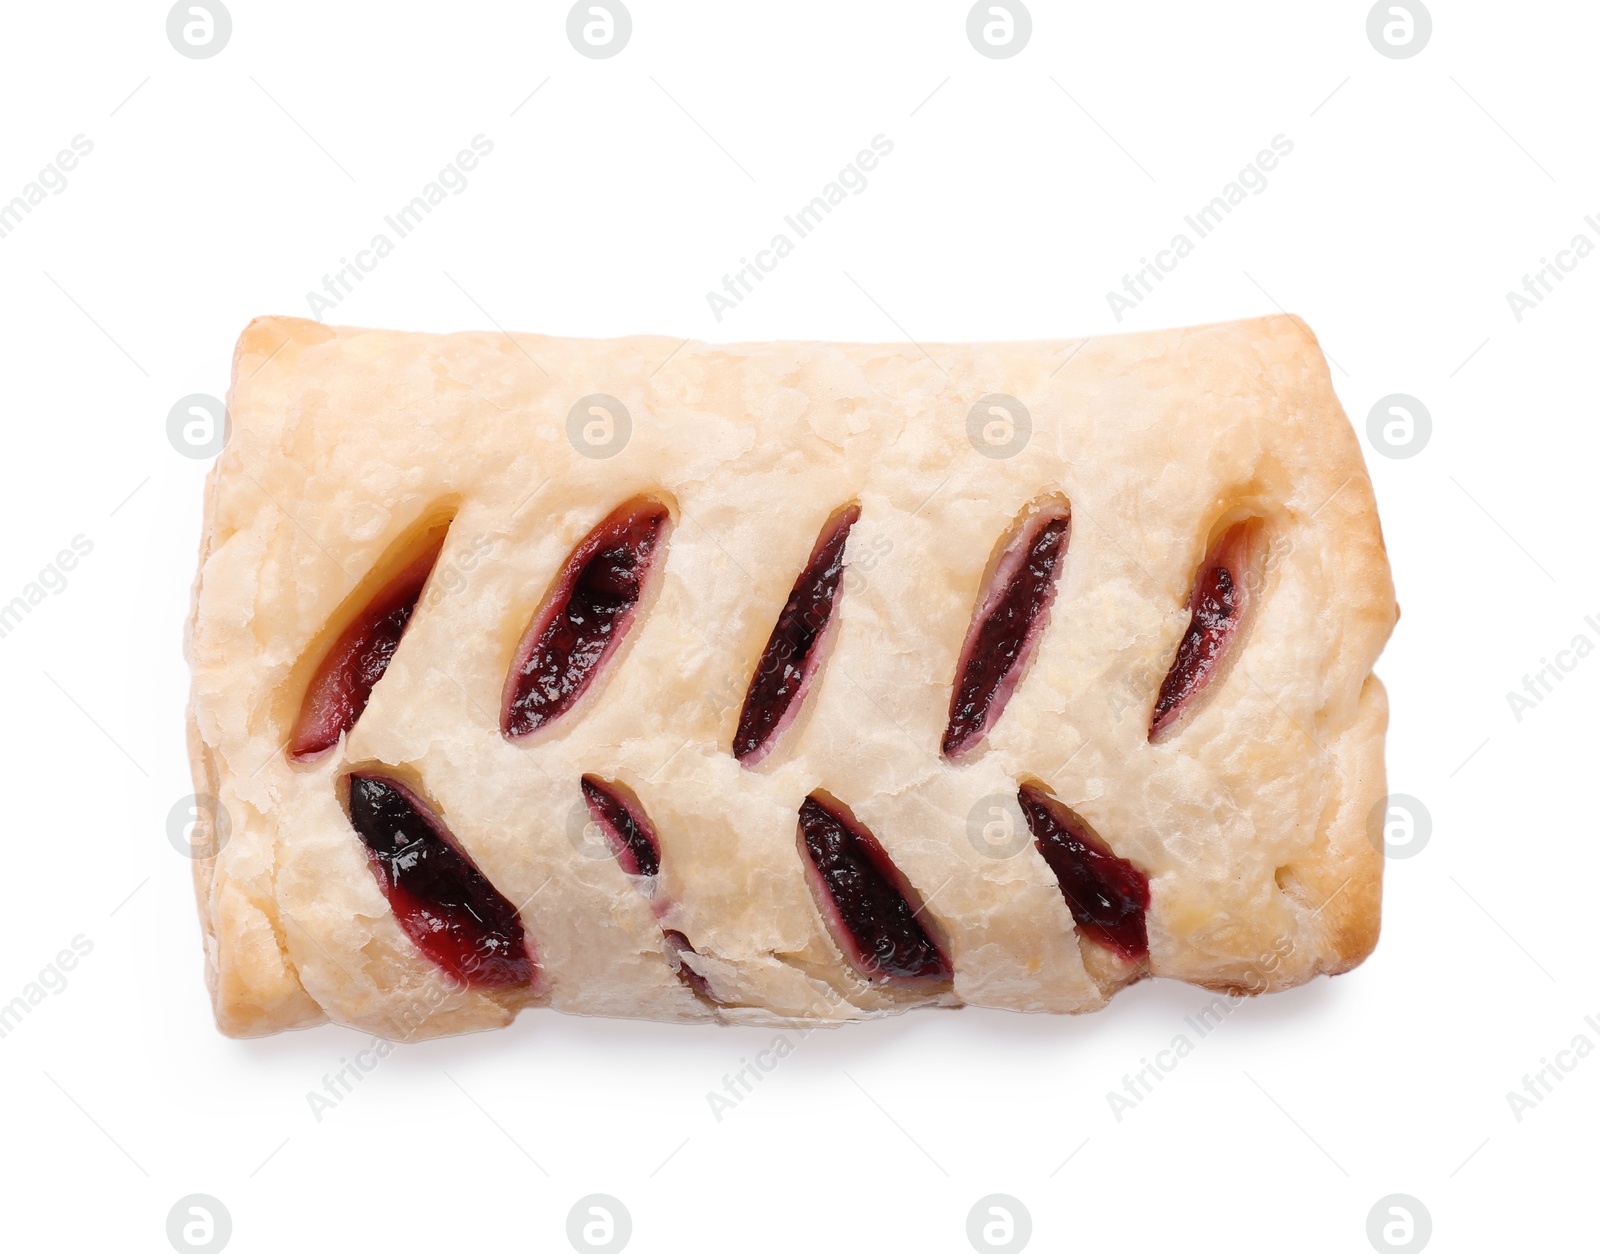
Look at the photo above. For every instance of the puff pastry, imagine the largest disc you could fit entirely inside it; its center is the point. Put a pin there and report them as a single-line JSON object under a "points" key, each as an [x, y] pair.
{"points": [[819, 681]]}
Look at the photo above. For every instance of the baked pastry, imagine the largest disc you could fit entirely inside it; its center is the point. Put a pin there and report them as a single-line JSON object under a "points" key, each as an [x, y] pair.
{"points": [[783, 683]]}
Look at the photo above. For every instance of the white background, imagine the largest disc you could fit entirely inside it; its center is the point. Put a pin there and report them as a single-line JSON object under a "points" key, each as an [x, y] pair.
{"points": [[1019, 191]]}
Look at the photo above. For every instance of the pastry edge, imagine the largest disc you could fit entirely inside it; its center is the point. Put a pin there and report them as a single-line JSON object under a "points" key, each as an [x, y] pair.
{"points": [[255, 989]]}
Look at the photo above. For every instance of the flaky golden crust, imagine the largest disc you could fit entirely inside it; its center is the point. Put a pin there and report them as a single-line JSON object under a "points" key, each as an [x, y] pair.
{"points": [[1251, 819]]}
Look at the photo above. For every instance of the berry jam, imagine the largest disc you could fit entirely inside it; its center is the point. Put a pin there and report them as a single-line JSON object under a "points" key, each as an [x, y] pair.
{"points": [[618, 814], [789, 661], [863, 899], [1008, 623], [620, 817], [585, 618], [343, 684], [1217, 607], [1107, 895], [678, 945], [439, 898]]}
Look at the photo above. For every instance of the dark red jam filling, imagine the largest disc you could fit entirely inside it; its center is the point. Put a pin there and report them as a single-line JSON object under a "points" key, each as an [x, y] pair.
{"points": [[789, 661], [1006, 626], [678, 945], [619, 816], [439, 898], [1217, 607], [1107, 895], [584, 618], [864, 899], [343, 684]]}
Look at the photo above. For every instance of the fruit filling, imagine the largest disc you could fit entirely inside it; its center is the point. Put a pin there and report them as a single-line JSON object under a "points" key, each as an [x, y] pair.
{"points": [[617, 813], [343, 684], [1108, 896], [789, 662], [584, 618], [1010, 617], [678, 945], [864, 899], [439, 898], [1218, 606]]}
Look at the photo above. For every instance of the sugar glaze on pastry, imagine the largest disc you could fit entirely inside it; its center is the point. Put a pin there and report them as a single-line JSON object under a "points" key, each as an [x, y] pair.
{"points": [[819, 696]]}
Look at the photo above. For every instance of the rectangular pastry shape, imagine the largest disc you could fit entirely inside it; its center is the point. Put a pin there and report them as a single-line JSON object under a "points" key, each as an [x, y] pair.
{"points": [[780, 683]]}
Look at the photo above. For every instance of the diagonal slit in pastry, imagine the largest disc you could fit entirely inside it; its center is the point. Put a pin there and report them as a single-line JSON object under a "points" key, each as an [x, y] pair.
{"points": [[1107, 895], [621, 818], [1221, 605], [793, 654], [622, 821], [870, 909], [1012, 610], [585, 616], [440, 899], [372, 622]]}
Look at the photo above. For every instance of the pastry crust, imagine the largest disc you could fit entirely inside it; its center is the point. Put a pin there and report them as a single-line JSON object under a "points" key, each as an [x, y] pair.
{"points": [[1251, 821]]}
